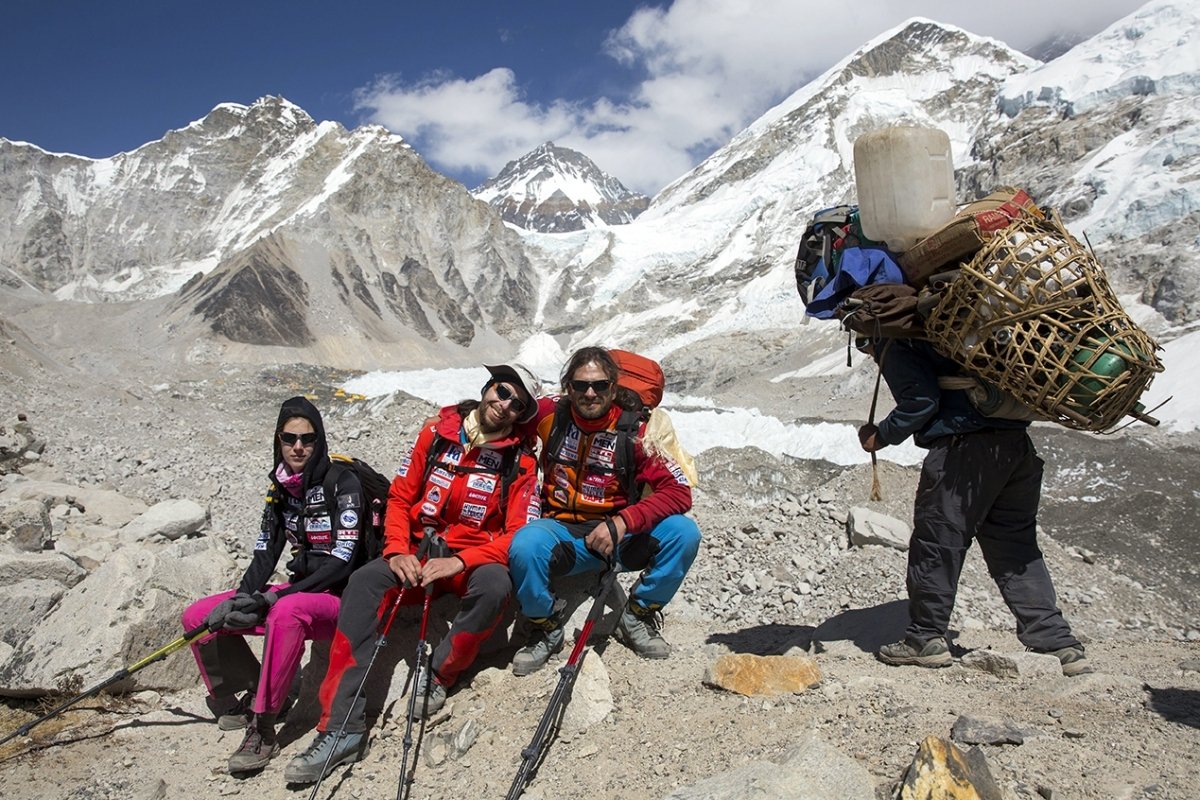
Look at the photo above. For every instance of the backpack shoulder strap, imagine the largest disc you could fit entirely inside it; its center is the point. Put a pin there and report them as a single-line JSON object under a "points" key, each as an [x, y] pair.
{"points": [[628, 425], [558, 432]]}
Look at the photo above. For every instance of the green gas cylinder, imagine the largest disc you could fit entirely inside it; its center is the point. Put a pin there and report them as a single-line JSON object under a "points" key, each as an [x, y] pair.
{"points": [[1089, 381]]}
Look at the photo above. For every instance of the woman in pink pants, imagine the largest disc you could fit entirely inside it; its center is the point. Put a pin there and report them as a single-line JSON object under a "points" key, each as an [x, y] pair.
{"points": [[323, 536]]}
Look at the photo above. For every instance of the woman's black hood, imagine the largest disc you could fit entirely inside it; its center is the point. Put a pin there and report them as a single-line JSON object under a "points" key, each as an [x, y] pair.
{"points": [[318, 464]]}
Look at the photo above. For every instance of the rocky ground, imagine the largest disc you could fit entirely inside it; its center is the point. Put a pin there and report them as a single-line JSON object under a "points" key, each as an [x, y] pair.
{"points": [[776, 574]]}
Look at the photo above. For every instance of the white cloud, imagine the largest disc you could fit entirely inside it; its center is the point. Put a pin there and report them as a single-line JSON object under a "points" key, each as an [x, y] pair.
{"points": [[709, 67]]}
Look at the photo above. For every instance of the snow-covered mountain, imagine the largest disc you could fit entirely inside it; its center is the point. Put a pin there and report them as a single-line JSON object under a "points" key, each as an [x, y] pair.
{"points": [[555, 189], [703, 279], [263, 228], [251, 205]]}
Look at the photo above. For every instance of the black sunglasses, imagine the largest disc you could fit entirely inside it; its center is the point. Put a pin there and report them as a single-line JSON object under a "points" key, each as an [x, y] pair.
{"points": [[506, 394], [290, 439], [599, 387]]}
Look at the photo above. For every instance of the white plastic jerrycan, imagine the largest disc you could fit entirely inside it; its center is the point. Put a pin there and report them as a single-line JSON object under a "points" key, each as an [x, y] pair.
{"points": [[905, 180]]}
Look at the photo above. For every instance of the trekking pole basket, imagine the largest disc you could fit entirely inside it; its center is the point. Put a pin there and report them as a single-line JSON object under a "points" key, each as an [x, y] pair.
{"points": [[1032, 313]]}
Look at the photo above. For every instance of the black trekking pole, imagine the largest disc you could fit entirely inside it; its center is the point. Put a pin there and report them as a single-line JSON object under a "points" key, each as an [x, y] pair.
{"points": [[380, 643], [119, 675], [420, 668], [532, 754]]}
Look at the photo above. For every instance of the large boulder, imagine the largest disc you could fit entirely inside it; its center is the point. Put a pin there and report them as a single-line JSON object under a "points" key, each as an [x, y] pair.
{"points": [[126, 609], [169, 519]]}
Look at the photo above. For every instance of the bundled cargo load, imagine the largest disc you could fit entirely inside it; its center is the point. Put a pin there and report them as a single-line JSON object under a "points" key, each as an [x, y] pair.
{"points": [[1033, 315]]}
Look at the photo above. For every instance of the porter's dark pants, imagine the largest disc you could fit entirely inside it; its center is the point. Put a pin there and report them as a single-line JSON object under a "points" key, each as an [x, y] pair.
{"points": [[984, 486]]}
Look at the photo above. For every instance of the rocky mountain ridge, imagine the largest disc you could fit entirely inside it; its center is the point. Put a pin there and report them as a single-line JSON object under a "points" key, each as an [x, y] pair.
{"points": [[555, 189]]}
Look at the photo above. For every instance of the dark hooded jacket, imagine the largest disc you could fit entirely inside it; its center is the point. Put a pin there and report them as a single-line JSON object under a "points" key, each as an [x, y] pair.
{"points": [[325, 547]]}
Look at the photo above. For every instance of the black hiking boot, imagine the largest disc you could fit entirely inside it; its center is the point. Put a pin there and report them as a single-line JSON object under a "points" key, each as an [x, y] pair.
{"points": [[909, 653], [258, 748]]}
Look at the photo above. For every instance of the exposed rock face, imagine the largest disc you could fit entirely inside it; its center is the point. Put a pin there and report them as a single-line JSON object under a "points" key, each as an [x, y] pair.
{"points": [[556, 189], [280, 213]]}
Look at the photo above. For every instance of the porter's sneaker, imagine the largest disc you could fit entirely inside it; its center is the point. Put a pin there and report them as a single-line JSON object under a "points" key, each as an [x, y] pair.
{"points": [[427, 707], [1074, 661], [543, 642], [639, 628], [258, 748], [933, 653], [307, 767]]}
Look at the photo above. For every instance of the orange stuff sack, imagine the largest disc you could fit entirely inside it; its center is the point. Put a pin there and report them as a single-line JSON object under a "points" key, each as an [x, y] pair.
{"points": [[640, 374]]}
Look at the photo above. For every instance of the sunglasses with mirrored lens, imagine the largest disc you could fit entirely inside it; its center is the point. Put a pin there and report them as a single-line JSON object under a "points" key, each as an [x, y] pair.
{"points": [[599, 387], [290, 439], [506, 394]]}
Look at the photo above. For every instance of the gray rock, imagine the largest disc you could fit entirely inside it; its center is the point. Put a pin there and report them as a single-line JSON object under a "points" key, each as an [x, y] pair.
{"points": [[811, 770], [170, 519], [25, 524], [871, 527], [977, 730]]}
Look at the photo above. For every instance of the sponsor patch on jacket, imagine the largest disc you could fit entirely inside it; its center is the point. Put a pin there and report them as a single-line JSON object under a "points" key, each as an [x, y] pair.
{"points": [[429, 509], [344, 551], [473, 512], [453, 454], [482, 483], [490, 459], [316, 494], [263, 541], [352, 500], [440, 477], [320, 538], [317, 524], [680, 478], [560, 495], [570, 446], [603, 450], [405, 463], [592, 494], [348, 518], [477, 497], [434, 495], [291, 521]]}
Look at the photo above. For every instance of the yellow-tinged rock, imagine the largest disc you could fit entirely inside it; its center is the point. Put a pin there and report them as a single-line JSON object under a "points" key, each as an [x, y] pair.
{"points": [[754, 676], [940, 771]]}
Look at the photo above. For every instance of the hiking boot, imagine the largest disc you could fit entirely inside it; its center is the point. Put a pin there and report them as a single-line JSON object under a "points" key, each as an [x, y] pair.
{"points": [[427, 707], [258, 748], [232, 713], [1074, 661], [306, 767], [545, 639], [909, 653], [638, 629]]}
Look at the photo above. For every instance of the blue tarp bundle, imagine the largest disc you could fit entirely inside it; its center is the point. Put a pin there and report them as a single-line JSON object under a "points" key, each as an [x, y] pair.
{"points": [[860, 266]]}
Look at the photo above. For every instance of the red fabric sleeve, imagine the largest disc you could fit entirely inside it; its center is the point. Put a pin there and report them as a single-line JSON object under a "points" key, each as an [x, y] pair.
{"points": [[672, 494], [406, 488]]}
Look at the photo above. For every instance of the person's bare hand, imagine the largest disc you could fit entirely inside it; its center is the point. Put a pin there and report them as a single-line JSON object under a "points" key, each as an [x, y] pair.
{"points": [[438, 568], [600, 541], [868, 437], [407, 568]]}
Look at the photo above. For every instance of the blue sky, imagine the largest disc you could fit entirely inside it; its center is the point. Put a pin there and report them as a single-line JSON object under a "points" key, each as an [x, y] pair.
{"points": [[646, 90]]}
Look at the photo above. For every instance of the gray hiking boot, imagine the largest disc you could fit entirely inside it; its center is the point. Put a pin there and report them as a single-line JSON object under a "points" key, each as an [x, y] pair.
{"points": [[258, 748], [427, 707], [1073, 659], [909, 653], [639, 629], [545, 639], [306, 767]]}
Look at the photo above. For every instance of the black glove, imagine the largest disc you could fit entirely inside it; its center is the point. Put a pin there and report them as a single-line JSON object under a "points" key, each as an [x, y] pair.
{"points": [[255, 610], [244, 601], [216, 618]]}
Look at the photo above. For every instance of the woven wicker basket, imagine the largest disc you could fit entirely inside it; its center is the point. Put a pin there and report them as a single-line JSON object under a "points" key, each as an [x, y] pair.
{"points": [[1033, 314]]}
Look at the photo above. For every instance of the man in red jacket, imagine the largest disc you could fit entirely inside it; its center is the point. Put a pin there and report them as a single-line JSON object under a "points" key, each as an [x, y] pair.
{"points": [[470, 480], [594, 471]]}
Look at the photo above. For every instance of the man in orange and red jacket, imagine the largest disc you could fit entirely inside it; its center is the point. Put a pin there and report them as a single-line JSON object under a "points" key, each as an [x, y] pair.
{"points": [[594, 508], [471, 481]]}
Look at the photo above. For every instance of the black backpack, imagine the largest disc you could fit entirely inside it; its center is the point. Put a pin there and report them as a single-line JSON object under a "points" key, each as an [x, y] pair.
{"points": [[628, 425], [375, 497]]}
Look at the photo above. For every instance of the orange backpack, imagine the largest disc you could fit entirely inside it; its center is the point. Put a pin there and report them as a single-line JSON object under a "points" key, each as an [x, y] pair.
{"points": [[640, 374]]}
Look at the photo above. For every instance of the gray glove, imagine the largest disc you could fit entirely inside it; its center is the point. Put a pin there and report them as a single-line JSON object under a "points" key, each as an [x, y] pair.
{"points": [[250, 610], [216, 618]]}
